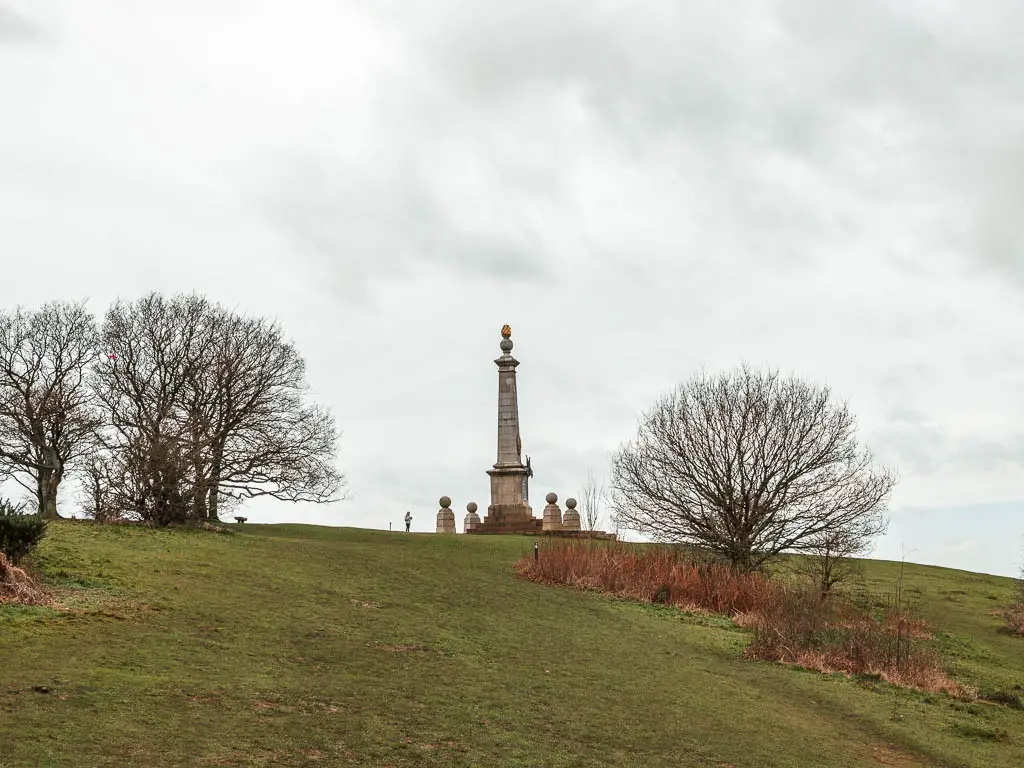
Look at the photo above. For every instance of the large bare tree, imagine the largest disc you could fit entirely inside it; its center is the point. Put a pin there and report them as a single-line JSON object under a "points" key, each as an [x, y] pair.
{"points": [[47, 417], [747, 464], [208, 406], [156, 349]]}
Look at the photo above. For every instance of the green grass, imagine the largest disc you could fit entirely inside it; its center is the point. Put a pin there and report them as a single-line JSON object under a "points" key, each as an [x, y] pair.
{"points": [[298, 645]]}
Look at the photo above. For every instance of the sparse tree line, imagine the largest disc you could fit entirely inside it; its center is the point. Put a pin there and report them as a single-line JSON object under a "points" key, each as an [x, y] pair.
{"points": [[170, 410]]}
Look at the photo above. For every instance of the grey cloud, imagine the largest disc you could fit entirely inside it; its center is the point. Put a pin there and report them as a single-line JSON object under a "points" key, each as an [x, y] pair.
{"points": [[16, 28], [888, 102], [386, 218], [919, 445]]}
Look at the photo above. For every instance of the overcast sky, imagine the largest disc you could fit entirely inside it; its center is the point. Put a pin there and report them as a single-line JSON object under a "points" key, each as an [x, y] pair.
{"points": [[640, 190]]}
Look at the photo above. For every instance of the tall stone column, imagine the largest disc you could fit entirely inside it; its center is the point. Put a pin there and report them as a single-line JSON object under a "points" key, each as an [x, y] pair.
{"points": [[508, 506]]}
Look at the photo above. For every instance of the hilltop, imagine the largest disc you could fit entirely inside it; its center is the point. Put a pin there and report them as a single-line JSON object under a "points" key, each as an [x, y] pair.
{"points": [[298, 645]]}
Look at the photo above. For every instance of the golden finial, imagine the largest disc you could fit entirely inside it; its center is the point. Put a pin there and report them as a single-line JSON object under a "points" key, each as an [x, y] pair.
{"points": [[506, 331]]}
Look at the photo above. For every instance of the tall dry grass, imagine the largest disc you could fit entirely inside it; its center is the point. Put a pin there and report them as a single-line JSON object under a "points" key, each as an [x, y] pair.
{"points": [[655, 575], [791, 623]]}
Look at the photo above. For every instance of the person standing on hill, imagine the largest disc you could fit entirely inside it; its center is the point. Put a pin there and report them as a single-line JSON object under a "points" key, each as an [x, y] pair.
{"points": [[408, 521]]}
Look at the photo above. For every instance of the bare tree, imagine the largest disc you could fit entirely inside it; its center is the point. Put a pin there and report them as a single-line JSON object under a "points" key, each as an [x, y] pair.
{"points": [[829, 554], [592, 497], [47, 418], [96, 496], [156, 349], [206, 407], [748, 465]]}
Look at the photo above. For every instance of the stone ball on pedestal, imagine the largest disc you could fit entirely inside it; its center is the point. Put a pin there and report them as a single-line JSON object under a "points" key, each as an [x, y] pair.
{"points": [[552, 514], [571, 518], [472, 520], [445, 502]]}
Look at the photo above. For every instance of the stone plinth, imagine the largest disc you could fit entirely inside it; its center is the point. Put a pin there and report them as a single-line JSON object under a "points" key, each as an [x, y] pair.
{"points": [[507, 504], [571, 518], [472, 520], [445, 516], [552, 514], [529, 527]]}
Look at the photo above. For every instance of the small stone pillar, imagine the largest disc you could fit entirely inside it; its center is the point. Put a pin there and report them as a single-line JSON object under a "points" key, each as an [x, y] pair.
{"points": [[472, 518], [552, 514], [445, 516], [571, 519]]}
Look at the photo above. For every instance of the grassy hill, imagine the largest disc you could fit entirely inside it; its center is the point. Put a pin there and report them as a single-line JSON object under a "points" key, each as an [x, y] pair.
{"points": [[298, 645]]}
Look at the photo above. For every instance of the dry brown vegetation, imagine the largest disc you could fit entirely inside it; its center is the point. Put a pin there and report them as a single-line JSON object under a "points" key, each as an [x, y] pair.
{"points": [[1014, 615], [1015, 619], [16, 586], [791, 622]]}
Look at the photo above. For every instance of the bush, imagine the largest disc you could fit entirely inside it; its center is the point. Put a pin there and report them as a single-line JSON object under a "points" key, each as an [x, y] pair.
{"points": [[1014, 618], [19, 532]]}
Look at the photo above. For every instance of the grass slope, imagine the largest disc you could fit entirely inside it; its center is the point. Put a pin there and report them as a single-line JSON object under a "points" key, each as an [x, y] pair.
{"points": [[298, 645]]}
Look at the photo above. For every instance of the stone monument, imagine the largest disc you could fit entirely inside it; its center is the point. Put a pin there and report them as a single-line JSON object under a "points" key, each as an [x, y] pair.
{"points": [[445, 516], [552, 514], [472, 520], [571, 518], [508, 511]]}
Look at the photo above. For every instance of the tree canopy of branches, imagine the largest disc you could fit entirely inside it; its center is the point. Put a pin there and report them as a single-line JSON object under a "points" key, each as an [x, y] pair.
{"points": [[747, 464], [47, 419], [204, 406]]}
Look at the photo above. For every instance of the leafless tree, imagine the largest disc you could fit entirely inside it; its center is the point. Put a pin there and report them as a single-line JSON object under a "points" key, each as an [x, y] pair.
{"points": [[206, 407], [96, 496], [47, 417], [746, 464], [830, 554], [155, 349], [592, 498]]}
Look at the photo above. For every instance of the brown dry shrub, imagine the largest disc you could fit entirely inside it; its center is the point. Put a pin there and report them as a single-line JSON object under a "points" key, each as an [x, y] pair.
{"points": [[17, 587], [835, 636], [791, 623], [1014, 618], [626, 571]]}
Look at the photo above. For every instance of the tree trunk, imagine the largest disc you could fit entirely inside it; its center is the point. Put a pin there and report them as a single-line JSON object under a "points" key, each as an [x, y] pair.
{"points": [[214, 486], [48, 481], [199, 508]]}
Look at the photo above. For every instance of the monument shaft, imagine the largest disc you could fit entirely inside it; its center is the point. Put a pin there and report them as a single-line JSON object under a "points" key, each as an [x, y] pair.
{"points": [[508, 413], [508, 506]]}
